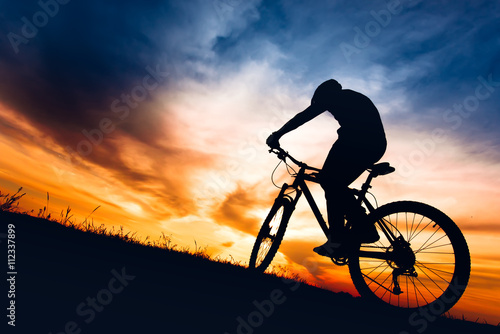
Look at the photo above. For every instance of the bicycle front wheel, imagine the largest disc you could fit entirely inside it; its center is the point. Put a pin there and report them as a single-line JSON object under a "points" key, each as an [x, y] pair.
{"points": [[428, 266], [271, 234]]}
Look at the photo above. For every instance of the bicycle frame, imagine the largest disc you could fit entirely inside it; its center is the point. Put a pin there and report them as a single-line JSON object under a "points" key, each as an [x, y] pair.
{"points": [[300, 187]]}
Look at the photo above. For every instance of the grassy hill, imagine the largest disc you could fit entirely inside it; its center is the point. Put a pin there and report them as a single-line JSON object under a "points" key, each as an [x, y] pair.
{"points": [[70, 281]]}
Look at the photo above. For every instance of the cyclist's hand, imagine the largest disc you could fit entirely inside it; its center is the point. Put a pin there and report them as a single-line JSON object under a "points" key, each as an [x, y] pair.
{"points": [[273, 140]]}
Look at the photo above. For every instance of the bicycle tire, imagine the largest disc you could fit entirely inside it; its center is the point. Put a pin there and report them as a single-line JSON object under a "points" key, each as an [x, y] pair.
{"points": [[442, 261], [271, 234]]}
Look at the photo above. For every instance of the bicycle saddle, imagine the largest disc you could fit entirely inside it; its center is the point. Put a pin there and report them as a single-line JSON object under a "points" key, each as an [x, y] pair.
{"points": [[382, 168]]}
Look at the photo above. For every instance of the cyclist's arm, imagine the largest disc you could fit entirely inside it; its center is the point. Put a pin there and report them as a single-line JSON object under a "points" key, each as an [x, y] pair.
{"points": [[303, 117]]}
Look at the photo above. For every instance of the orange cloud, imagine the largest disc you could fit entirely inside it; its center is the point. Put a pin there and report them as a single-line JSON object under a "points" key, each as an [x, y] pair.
{"points": [[239, 209]]}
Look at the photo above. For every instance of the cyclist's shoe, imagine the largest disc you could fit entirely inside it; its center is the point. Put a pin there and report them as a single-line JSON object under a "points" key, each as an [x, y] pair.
{"points": [[329, 249]]}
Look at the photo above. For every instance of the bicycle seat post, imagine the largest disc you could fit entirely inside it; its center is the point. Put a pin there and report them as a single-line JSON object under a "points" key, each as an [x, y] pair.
{"points": [[366, 185]]}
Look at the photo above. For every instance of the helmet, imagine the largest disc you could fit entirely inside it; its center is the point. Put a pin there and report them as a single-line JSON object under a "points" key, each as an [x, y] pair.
{"points": [[325, 92]]}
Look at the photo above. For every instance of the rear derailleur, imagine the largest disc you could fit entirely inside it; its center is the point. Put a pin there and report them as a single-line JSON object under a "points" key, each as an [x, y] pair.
{"points": [[395, 275]]}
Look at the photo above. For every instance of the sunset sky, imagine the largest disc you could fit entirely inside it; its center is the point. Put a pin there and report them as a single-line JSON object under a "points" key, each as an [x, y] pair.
{"points": [[158, 113]]}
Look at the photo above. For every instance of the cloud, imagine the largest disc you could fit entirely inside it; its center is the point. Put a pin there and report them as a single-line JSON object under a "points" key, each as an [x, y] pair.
{"points": [[243, 209], [227, 244], [492, 228]]}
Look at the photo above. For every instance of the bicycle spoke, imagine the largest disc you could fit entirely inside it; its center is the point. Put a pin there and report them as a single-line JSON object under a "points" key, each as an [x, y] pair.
{"points": [[389, 289], [434, 272], [381, 264], [380, 284], [414, 290], [397, 217], [429, 246], [442, 253], [373, 281], [411, 228], [374, 267], [420, 292], [416, 235], [438, 270], [416, 228], [425, 243], [433, 281], [426, 288]]}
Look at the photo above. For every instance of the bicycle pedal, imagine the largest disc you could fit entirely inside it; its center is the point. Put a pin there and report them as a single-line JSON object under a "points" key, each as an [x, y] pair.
{"points": [[397, 290]]}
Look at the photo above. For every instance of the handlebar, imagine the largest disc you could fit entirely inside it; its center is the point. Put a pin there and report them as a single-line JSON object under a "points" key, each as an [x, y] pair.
{"points": [[282, 155]]}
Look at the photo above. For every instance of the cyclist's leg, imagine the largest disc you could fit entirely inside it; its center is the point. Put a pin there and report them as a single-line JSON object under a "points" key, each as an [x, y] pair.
{"points": [[343, 165]]}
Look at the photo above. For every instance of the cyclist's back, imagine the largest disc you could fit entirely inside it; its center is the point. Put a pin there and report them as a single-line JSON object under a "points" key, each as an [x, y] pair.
{"points": [[358, 117]]}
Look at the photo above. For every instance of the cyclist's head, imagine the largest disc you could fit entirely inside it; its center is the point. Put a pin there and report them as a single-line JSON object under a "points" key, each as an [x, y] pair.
{"points": [[326, 92]]}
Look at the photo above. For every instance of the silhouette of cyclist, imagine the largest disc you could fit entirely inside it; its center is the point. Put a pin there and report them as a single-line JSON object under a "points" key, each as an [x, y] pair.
{"points": [[361, 142]]}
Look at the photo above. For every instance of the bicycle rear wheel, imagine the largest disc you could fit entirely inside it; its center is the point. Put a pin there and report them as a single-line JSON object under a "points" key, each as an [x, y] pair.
{"points": [[271, 234], [432, 268]]}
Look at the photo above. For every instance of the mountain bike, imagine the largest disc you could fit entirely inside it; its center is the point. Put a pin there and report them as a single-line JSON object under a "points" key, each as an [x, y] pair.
{"points": [[421, 260]]}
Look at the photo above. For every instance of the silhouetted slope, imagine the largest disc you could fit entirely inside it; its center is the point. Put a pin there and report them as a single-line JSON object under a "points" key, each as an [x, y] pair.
{"points": [[69, 281]]}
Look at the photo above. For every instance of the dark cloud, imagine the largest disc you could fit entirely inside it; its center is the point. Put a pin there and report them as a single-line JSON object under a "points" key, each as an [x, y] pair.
{"points": [[448, 45], [66, 77]]}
